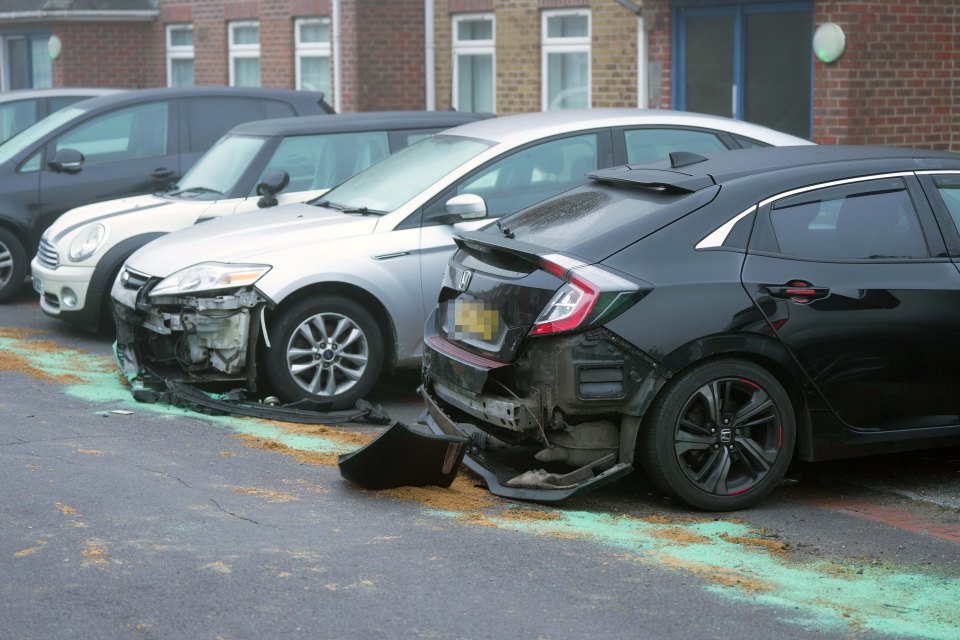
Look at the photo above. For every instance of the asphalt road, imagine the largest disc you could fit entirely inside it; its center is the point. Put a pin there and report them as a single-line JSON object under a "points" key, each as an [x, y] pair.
{"points": [[123, 520]]}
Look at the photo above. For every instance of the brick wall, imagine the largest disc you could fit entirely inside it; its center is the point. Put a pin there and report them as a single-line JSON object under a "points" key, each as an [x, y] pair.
{"points": [[390, 54], [111, 54], [897, 81], [613, 55], [518, 56]]}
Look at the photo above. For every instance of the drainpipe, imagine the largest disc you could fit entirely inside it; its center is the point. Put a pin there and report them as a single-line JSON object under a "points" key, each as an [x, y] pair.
{"points": [[335, 27], [429, 62]]}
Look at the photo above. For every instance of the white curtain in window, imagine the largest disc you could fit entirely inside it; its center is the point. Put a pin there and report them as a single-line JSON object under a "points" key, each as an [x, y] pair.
{"points": [[315, 73], [181, 72], [42, 67], [475, 79], [246, 72], [568, 80]]}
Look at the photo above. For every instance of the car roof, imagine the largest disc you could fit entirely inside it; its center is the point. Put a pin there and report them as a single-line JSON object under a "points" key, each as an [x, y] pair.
{"points": [[696, 172], [369, 121], [27, 94], [139, 95], [527, 127]]}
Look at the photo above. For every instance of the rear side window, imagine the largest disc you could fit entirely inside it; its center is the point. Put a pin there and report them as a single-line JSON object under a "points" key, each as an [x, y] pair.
{"points": [[860, 225], [16, 116], [951, 197], [650, 145], [209, 118], [274, 109], [323, 161], [121, 135]]}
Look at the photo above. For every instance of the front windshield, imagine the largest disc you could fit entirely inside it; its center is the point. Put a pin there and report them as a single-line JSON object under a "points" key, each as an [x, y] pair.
{"points": [[398, 178], [30, 135], [216, 173]]}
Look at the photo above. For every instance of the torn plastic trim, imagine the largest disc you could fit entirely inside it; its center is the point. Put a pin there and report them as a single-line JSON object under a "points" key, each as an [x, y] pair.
{"points": [[537, 485]]}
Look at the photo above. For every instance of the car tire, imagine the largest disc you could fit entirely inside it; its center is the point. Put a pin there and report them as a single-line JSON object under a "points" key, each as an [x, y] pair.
{"points": [[326, 349], [720, 435], [13, 265]]}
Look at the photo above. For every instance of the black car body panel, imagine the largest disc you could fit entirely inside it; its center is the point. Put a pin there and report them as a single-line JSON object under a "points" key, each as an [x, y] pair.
{"points": [[825, 267]]}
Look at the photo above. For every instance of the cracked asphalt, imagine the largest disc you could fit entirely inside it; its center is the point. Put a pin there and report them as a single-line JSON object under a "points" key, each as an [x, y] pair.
{"points": [[121, 520]]}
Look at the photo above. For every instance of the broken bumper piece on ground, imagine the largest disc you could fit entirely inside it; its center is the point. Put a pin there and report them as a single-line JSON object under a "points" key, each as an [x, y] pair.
{"points": [[495, 464]]}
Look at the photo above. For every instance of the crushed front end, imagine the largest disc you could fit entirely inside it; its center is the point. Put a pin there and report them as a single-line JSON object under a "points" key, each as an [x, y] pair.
{"points": [[195, 334], [551, 412]]}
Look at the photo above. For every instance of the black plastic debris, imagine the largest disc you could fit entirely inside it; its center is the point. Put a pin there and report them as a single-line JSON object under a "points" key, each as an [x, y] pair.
{"points": [[405, 457]]}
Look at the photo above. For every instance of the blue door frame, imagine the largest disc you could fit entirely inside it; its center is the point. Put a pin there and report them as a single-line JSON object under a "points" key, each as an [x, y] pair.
{"points": [[684, 8]]}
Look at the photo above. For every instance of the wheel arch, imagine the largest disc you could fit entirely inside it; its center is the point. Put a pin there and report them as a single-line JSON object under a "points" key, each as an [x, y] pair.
{"points": [[21, 233], [113, 259], [766, 352], [360, 295]]}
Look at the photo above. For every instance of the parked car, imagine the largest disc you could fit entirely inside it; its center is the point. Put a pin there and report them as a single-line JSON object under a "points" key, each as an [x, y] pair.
{"points": [[117, 145], [708, 321], [284, 160], [20, 109], [323, 297]]}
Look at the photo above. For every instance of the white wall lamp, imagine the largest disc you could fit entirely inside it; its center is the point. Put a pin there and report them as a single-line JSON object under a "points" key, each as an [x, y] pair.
{"points": [[829, 42]]}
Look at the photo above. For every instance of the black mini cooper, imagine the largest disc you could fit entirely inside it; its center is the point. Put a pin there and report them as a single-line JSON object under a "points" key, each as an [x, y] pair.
{"points": [[708, 320]]}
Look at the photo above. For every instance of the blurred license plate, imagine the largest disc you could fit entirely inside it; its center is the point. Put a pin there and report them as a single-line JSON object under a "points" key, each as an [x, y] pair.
{"points": [[475, 321]]}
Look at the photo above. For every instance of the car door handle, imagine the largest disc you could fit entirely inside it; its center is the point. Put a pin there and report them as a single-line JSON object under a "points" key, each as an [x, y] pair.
{"points": [[799, 291], [161, 173]]}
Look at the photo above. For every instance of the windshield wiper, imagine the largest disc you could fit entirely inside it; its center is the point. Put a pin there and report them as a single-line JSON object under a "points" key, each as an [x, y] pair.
{"points": [[193, 190], [345, 209]]}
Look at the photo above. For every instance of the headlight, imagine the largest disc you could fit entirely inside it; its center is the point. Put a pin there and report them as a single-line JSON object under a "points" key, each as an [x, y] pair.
{"points": [[87, 242], [210, 276]]}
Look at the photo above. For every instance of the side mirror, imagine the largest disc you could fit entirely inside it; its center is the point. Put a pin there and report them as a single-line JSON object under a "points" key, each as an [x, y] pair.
{"points": [[272, 184], [66, 161], [467, 206]]}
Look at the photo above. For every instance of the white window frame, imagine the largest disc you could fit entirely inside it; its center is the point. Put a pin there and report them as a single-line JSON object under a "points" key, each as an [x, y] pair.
{"points": [[238, 51], [311, 49], [550, 45], [473, 48], [178, 52]]}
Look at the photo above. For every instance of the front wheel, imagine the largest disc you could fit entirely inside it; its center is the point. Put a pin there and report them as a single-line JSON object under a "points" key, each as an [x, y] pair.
{"points": [[326, 349], [13, 265], [720, 436]]}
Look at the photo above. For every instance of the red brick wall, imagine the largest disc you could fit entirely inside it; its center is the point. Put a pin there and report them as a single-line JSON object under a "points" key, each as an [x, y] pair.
{"points": [[897, 81], [382, 63], [108, 54]]}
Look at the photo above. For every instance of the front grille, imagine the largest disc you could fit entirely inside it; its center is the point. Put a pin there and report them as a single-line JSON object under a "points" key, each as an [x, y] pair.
{"points": [[133, 280], [47, 254], [52, 300]]}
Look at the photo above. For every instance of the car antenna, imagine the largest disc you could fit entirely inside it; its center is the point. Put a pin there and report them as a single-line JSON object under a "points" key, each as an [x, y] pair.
{"points": [[684, 158]]}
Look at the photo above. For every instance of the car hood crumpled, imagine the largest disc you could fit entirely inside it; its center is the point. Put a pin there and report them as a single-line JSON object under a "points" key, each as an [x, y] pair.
{"points": [[248, 238]]}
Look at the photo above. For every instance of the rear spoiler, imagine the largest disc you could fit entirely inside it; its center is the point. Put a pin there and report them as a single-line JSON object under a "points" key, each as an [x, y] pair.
{"points": [[674, 181]]}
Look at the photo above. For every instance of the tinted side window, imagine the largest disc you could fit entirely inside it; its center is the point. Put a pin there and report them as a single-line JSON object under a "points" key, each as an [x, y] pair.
{"points": [[55, 104], [866, 225], [650, 145], [323, 161], [749, 143], [274, 109], [16, 116], [951, 197], [533, 174], [209, 118], [125, 134]]}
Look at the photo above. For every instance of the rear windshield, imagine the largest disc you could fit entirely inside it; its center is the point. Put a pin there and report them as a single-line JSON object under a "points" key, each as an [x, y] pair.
{"points": [[578, 217]]}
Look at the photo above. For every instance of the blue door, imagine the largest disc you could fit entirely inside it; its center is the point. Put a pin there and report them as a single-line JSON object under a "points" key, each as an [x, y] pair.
{"points": [[750, 61]]}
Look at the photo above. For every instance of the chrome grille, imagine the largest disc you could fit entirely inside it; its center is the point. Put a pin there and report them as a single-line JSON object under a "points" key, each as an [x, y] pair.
{"points": [[47, 254], [132, 280]]}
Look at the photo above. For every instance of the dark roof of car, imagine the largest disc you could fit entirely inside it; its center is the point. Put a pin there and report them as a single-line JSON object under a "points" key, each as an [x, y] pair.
{"points": [[717, 168], [139, 95], [370, 121], [78, 5]]}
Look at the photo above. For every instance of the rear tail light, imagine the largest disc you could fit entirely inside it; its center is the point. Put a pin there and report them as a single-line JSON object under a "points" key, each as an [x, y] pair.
{"points": [[592, 295]]}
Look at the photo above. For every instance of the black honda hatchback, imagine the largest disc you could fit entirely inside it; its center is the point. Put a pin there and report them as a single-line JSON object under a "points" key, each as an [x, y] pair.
{"points": [[707, 320]]}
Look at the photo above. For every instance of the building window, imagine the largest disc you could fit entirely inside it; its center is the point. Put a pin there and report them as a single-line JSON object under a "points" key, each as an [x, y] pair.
{"points": [[474, 65], [180, 55], [26, 62], [313, 54], [244, 48], [565, 69]]}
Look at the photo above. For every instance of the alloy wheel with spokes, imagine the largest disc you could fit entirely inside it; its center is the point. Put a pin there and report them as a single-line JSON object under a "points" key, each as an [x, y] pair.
{"points": [[13, 265], [326, 349], [721, 435]]}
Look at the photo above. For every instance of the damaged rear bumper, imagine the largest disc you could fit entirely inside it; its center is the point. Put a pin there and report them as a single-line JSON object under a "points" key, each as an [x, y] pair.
{"points": [[504, 479]]}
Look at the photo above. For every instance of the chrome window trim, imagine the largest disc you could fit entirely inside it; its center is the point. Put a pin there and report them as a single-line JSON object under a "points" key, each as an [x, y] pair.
{"points": [[719, 235], [940, 172]]}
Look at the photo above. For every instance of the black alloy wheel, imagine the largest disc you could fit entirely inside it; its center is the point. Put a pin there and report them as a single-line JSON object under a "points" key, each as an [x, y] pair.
{"points": [[720, 436], [326, 349], [13, 265]]}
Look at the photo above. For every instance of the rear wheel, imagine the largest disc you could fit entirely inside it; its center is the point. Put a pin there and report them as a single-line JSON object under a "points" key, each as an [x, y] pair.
{"points": [[720, 436], [13, 265], [327, 349]]}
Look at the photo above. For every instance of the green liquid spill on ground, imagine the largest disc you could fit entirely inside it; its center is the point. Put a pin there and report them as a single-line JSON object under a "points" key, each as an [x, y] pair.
{"points": [[813, 594]]}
